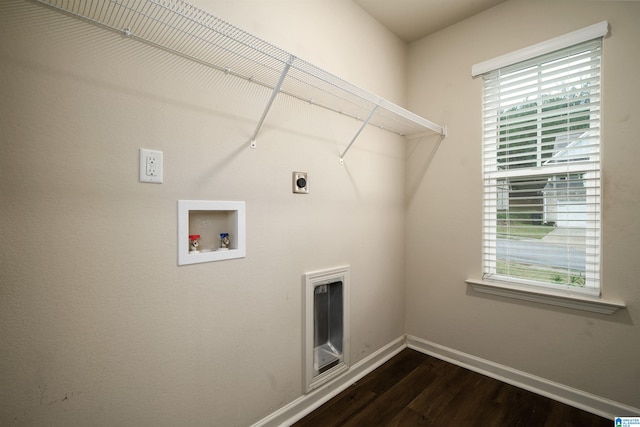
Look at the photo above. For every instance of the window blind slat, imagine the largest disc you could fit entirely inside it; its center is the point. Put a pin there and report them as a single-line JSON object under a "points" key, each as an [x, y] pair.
{"points": [[573, 97], [516, 90]]}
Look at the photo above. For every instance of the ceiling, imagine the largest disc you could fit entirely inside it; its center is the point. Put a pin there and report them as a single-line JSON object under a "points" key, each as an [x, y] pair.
{"points": [[411, 20]]}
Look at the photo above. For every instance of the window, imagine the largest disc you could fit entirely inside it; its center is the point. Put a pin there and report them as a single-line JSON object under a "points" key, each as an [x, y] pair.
{"points": [[541, 169]]}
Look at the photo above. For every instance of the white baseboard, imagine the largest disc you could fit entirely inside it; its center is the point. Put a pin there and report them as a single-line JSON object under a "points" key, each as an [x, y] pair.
{"points": [[307, 403], [577, 398]]}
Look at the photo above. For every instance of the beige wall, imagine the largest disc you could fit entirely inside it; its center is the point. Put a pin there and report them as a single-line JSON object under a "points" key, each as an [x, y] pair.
{"points": [[593, 353], [98, 324]]}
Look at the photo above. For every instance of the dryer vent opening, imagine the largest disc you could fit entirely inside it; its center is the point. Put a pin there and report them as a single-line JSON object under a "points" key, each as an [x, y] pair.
{"points": [[328, 313], [326, 329]]}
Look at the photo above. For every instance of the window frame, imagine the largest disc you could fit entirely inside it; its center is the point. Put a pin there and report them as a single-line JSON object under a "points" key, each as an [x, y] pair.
{"points": [[527, 108], [523, 289]]}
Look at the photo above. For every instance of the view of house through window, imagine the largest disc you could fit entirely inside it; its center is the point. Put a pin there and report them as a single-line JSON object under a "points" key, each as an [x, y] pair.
{"points": [[541, 170]]}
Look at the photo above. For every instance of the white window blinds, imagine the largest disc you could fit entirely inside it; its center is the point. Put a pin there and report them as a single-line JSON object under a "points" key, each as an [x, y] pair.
{"points": [[541, 170]]}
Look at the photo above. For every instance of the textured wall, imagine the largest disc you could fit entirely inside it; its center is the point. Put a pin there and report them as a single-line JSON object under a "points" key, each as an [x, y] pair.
{"points": [[594, 353], [98, 324]]}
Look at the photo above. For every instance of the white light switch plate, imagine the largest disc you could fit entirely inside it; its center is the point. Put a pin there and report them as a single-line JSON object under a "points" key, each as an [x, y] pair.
{"points": [[151, 166]]}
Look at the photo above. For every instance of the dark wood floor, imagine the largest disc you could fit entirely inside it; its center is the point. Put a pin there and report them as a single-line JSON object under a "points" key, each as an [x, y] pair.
{"points": [[413, 389]]}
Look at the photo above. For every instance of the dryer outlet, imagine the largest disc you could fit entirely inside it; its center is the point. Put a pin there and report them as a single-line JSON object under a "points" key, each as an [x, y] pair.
{"points": [[300, 183]]}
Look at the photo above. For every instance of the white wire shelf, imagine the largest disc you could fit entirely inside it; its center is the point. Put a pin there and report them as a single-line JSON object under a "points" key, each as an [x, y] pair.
{"points": [[187, 31]]}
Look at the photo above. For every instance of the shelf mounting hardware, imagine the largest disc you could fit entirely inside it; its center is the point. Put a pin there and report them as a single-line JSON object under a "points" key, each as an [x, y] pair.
{"points": [[275, 92], [364, 124]]}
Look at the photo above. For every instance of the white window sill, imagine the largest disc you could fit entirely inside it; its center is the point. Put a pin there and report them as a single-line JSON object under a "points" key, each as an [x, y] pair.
{"points": [[576, 302]]}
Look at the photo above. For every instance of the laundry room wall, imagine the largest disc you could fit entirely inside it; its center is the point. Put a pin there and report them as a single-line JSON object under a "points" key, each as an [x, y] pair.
{"points": [[99, 325]]}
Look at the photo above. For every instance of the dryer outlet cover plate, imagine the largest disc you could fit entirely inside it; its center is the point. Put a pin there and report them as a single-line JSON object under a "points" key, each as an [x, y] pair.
{"points": [[300, 183]]}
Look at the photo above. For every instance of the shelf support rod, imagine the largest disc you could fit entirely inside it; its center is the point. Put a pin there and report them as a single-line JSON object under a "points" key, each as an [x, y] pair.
{"points": [[364, 124], [276, 89]]}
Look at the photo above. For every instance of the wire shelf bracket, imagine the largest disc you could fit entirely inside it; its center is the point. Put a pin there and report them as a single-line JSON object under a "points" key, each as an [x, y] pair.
{"points": [[180, 28], [274, 93], [364, 124]]}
